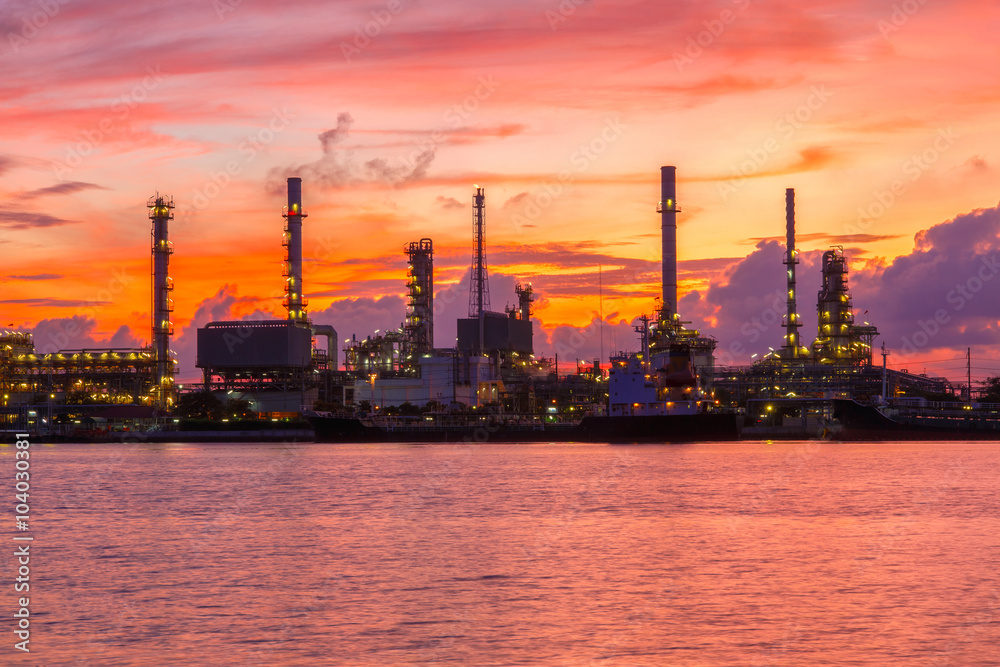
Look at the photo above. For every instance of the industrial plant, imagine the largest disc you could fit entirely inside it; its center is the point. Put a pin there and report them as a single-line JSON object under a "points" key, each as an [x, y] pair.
{"points": [[42, 390], [277, 369], [838, 364]]}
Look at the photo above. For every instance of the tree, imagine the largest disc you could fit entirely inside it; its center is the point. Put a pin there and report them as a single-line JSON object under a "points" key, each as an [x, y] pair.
{"points": [[991, 390], [238, 408], [433, 406], [199, 405]]}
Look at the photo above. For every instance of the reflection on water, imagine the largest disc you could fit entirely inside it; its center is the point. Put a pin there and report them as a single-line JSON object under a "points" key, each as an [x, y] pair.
{"points": [[713, 554]]}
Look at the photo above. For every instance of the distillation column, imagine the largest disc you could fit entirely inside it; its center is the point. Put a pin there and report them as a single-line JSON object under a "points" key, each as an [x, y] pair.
{"points": [[161, 213], [525, 295], [420, 296], [836, 315], [293, 215]]}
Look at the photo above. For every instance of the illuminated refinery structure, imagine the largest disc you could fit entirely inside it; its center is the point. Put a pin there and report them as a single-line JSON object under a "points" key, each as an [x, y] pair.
{"points": [[420, 297], [276, 366], [839, 339], [505, 337], [838, 364], [493, 358], [792, 349], [672, 372], [161, 212], [41, 388], [398, 353], [272, 364]]}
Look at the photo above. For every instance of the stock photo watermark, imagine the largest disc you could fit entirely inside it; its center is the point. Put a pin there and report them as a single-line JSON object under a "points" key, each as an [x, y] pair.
{"points": [[714, 28], [785, 128], [121, 107], [913, 168], [34, 22], [958, 297], [22, 554], [454, 117], [581, 159], [248, 149], [365, 33], [900, 16]]}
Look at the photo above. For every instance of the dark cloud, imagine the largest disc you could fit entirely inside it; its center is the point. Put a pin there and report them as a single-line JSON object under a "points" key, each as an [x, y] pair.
{"points": [[7, 163], [706, 265], [515, 200], [832, 239], [216, 308], [38, 276], [947, 290], [448, 202], [25, 220], [944, 294], [55, 303], [70, 187], [77, 332], [596, 340], [743, 307], [362, 316], [978, 164]]}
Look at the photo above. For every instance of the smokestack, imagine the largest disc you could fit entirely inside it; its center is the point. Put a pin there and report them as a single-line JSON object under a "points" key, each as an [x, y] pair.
{"points": [[161, 213], [293, 215], [791, 317], [668, 231]]}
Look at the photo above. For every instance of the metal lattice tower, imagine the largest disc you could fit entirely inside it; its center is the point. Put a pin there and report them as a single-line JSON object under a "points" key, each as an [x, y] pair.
{"points": [[161, 213], [293, 214], [479, 292]]}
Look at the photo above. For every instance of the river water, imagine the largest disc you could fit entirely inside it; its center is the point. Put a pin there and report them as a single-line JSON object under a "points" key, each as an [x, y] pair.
{"points": [[545, 554]]}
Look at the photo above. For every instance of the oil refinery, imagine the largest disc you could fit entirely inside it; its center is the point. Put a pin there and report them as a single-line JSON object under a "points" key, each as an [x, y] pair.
{"points": [[280, 370]]}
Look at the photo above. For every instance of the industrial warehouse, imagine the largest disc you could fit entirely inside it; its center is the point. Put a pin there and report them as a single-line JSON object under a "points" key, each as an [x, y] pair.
{"points": [[284, 369]]}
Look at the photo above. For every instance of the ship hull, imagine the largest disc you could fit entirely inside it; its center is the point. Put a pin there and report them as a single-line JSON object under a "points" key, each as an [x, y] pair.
{"points": [[711, 427], [856, 422]]}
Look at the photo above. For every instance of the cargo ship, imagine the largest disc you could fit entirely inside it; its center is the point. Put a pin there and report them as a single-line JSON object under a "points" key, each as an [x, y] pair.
{"points": [[648, 429], [654, 396], [852, 421]]}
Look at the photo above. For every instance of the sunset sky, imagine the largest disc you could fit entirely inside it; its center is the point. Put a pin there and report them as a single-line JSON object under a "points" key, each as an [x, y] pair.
{"points": [[882, 115]]}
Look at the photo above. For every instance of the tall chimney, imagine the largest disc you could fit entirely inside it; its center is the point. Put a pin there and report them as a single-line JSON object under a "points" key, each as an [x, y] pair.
{"points": [[791, 317], [293, 215], [668, 231]]}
